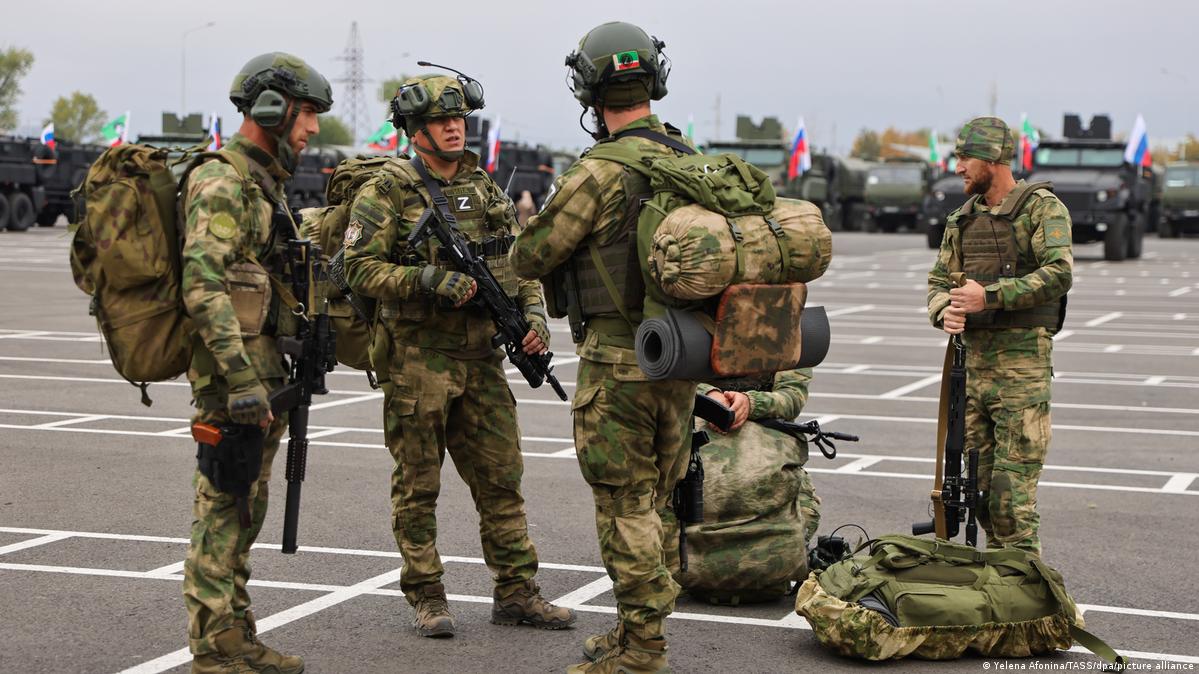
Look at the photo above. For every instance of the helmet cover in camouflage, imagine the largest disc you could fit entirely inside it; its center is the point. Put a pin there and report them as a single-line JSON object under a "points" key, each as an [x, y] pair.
{"points": [[287, 74], [447, 96], [618, 63], [986, 138]]}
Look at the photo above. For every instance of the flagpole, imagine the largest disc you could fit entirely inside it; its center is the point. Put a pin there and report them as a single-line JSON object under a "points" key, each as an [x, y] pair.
{"points": [[183, 66]]}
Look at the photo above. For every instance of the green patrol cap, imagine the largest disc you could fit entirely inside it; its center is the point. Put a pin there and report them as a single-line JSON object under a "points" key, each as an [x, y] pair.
{"points": [[986, 138]]}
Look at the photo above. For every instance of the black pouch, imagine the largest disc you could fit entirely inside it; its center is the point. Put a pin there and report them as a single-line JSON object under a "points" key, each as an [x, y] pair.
{"points": [[233, 464]]}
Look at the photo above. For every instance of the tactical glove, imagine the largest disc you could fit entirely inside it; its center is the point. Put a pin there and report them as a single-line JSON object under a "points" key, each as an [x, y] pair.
{"points": [[450, 284], [537, 324], [248, 403]]}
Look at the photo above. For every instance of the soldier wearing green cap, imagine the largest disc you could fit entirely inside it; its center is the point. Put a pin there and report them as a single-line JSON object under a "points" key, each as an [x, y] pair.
{"points": [[629, 432], [447, 388], [1011, 244], [231, 244]]}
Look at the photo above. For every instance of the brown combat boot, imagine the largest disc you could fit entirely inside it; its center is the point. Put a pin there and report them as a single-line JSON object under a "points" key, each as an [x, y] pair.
{"points": [[433, 617], [262, 657], [634, 656], [228, 658], [526, 605], [598, 645]]}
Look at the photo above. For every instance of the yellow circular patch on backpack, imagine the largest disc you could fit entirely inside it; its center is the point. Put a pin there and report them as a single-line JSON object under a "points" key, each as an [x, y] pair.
{"points": [[222, 226]]}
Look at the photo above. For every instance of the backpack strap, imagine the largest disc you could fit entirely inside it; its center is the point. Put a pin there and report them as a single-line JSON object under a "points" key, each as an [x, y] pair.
{"points": [[1117, 662], [657, 137]]}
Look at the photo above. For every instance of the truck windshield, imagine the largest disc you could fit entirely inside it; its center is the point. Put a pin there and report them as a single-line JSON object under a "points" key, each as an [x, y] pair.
{"points": [[896, 175], [1182, 176], [1110, 157]]}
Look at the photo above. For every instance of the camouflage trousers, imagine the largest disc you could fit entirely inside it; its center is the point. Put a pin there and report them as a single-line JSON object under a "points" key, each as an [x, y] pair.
{"points": [[631, 438], [433, 402], [1007, 418], [218, 559], [809, 506]]}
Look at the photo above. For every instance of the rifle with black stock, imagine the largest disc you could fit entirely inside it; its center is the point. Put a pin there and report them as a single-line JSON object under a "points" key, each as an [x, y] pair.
{"points": [[687, 499], [313, 354]]}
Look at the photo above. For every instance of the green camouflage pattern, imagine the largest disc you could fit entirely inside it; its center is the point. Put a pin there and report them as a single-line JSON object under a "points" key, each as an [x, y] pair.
{"points": [[436, 86], [760, 507], [986, 138], [1009, 370], [434, 402], [758, 329], [601, 49], [305, 82], [630, 436], [947, 601]]}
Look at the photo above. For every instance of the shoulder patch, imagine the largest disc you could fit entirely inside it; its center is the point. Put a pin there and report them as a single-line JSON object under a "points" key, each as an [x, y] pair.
{"points": [[353, 233], [222, 226], [1057, 233]]}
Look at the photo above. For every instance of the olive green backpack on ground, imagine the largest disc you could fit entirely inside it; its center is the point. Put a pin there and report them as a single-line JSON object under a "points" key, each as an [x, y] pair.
{"points": [[352, 316], [933, 599], [126, 253]]}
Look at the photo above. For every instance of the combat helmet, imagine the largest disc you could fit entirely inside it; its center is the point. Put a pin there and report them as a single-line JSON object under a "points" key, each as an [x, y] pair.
{"points": [[263, 87], [618, 64], [432, 96]]}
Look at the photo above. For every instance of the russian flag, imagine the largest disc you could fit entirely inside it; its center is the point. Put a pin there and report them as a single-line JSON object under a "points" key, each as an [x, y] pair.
{"points": [[801, 158], [1137, 150], [493, 146], [48, 135], [214, 131]]}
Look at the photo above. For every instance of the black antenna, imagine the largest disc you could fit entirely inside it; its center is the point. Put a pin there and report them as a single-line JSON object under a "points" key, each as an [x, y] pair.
{"points": [[426, 64]]}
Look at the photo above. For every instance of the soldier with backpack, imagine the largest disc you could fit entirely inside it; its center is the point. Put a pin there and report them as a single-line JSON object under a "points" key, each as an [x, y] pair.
{"points": [[445, 387], [630, 433], [235, 229]]}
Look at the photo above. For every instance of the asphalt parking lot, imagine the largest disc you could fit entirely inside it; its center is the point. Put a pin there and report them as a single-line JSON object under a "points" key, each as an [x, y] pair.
{"points": [[95, 493]]}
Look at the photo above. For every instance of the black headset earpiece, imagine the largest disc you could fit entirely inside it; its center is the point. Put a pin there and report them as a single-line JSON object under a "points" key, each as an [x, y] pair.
{"points": [[470, 86], [662, 65]]}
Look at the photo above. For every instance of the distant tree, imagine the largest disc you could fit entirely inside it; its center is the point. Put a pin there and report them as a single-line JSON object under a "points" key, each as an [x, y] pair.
{"points": [[77, 117], [867, 145], [333, 132], [1187, 150], [14, 65], [387, 90]]}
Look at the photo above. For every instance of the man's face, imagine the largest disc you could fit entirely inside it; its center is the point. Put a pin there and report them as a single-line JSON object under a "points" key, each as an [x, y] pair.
{"points": [[976, 174], [306, 125], [449, 133]]}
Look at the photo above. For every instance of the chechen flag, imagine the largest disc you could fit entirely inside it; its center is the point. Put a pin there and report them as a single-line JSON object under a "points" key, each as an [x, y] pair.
{"points": [[116, 131], [1137, 150], [385, 139], [493, 146], [801, 158], [214, 132], [48, 136]]}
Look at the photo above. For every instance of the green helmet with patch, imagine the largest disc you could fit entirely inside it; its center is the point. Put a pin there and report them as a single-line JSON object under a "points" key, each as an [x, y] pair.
{"points": [[432, 97], [283, 73], [986, 138], [618, 64]]}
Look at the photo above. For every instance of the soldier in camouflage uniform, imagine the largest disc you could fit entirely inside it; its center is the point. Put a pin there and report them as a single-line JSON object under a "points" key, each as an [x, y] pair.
{"points": [[231, 246], [1012, 242], [630, 433], [447, 388]]}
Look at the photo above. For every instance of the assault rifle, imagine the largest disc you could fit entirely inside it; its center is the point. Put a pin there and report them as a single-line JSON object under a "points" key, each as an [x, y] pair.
{"points": [[510, 322], [823, 439], [312, 353], [687, 499], [955, 496]]}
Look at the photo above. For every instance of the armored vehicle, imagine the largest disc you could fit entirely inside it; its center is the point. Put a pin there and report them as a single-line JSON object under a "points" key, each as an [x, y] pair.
{"points": [[894, 193], [1109, 200], [946, 194], [1180, 201], [21, 196], [837, 185], [759, 144]]}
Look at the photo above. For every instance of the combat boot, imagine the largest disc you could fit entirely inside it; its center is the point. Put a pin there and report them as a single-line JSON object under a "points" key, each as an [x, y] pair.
{"points": [[261, 657], [526, 605], [633, 656], [597, 645], [433, 617], [227, 659]]}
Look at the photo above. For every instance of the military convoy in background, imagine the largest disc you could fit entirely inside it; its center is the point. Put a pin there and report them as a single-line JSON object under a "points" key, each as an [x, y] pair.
{"points": [[36, 180], [1180, 200], [759, 144], [893, 195], [838, 186], [946, 194]]}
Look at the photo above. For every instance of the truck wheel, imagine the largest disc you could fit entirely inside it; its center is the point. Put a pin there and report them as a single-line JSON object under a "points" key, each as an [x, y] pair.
{"points": [[935, 234], [23, 215], [1136, 234], [5, 209], [1115, 240], [48, 216]]}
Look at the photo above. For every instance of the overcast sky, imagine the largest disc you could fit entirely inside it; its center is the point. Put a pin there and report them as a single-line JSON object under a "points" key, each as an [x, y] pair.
{"points": [[841, 64]]}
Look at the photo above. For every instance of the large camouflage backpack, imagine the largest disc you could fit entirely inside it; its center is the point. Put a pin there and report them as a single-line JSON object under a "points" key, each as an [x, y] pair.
{"points": [[126, 253], [934, 599], [715, 221], [751, 545], [352, 316]]}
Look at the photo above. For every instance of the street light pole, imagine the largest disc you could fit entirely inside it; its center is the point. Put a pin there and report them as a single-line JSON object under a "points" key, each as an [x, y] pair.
{"points": [[183, 65]]}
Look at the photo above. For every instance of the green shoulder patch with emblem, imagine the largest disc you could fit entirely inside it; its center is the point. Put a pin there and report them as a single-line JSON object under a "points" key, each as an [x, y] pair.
{"points": [[222, 226], [1057, 234]]}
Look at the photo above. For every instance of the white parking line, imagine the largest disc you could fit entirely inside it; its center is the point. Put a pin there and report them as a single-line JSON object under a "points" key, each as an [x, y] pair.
{"points": [[1103, 319], [914, 386], [34, 542], [1177, 292]]}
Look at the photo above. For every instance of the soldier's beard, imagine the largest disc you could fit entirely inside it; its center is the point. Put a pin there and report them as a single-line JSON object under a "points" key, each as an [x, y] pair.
{"points": [[979, 185]]}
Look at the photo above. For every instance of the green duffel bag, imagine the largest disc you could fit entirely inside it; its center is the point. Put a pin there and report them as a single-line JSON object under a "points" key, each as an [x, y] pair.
{"points": [[935, 600]]}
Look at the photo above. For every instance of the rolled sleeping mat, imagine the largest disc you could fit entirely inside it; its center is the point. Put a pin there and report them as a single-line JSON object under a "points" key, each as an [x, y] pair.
{"points": [[679, 346]]}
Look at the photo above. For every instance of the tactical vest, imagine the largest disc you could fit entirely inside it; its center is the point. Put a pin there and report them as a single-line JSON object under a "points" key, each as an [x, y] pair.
{"points": [[987, 251]]}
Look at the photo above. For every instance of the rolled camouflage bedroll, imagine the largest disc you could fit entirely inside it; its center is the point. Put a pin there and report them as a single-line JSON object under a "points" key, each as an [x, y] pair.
{"points": [[679, 345]]}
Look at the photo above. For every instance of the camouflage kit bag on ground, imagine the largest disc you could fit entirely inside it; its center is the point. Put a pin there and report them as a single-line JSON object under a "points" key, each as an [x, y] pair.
{"points": [[750, 547], [352, 315], [934, 599], [125, 253]]}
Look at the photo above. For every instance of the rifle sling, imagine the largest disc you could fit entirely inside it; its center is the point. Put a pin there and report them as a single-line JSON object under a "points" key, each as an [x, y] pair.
{"points": [[439, 201], [939, 522]]}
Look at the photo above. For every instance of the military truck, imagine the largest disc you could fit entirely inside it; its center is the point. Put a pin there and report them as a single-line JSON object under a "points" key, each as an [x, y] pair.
{"points": [[946, 194], [1180, 201], [522, 167], [895, 190], [1109, 200], [21, 195], [837, 185], [761, 144]]}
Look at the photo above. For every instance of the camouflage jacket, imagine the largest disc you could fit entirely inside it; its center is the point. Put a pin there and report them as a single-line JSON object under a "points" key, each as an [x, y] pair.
{"points": [[227, 222], [782, 399], [380, 263], [1011, 347], [585, 203]]}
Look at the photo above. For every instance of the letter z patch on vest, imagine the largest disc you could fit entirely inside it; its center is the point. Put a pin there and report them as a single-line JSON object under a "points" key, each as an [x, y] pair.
{"points": [[222, 226], [467, 204]]}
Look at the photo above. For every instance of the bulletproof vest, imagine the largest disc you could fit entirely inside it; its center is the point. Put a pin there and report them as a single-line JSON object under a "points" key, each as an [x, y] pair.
{"points": [[988, 251]]}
